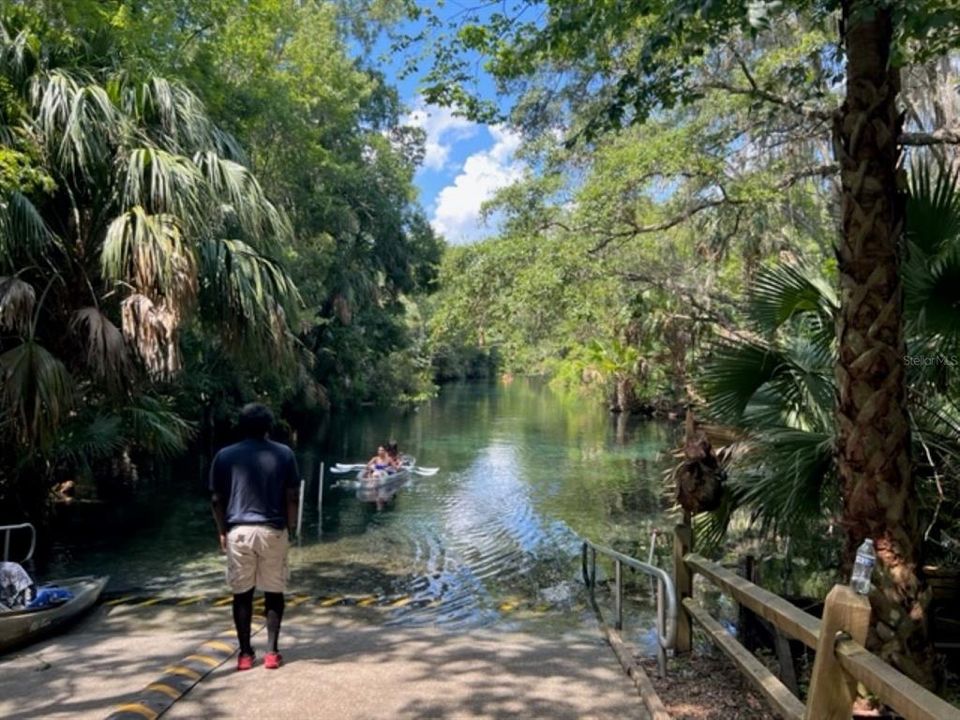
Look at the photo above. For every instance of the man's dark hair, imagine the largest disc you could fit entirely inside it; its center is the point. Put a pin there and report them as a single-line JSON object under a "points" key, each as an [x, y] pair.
{"points": [[255, 420]]}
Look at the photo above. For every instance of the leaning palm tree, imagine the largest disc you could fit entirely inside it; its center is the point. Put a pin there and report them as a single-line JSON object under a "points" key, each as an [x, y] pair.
{"points": [[130, 218]]}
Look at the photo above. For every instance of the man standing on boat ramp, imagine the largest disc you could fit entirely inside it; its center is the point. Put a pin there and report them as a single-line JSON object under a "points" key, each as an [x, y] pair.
{"points": [[254, 485]]}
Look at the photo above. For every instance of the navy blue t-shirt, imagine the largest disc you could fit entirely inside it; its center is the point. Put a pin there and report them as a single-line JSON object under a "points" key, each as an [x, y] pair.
{"points": [[251, 479]]}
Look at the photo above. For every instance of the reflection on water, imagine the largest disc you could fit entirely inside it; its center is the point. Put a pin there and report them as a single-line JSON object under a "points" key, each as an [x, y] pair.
{"points": [[493, 536]]}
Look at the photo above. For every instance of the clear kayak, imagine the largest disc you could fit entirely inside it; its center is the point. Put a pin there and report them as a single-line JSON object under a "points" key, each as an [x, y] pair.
{"points": [[373, 477]]}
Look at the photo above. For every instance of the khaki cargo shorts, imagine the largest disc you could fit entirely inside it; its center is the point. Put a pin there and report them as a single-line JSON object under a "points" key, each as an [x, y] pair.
{"points": [[257, 556]]}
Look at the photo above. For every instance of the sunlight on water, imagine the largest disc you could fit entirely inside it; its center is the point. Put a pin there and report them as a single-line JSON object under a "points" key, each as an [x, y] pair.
{"points": [[493, 537]]}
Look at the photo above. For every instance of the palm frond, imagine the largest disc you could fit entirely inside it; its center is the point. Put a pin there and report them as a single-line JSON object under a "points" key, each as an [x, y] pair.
{"points": [[84, 439], [106, 352], [932, 269], [783, 292], [17, 300], [242, 200], [152, 330], [18, 55], [734, 374], [171, 115], [710, 528], [163, 183], [250, 292], [156, 428], [37, 392], [933, 209], [785, 491], [24, 236], [76, 123], [806, 385], [149, 252]]}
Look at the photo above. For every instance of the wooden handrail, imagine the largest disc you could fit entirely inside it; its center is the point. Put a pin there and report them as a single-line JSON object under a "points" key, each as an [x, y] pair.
{"points": [[892, 687], [895, 689], [776, 693], [785, 615]]}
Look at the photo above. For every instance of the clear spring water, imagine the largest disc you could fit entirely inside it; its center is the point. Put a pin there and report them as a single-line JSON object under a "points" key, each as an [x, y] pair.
{"points": [[493, 537]]}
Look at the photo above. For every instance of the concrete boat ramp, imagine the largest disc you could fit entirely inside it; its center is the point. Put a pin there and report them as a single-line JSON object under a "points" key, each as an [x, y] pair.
{"points": [[129, 662]]}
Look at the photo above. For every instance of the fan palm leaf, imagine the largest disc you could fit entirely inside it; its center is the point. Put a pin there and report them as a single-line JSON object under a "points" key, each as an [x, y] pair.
{"points": [[734, 375], [76, 123], [18, 55], [245, 287], [37, 392], [242, 200], [17, 300], [156, 428], [83, 439], [785, 489], [150, 253], [932, 268], [24, 235], [173, 117], [106, 352], [164, 183], [785, 291]]}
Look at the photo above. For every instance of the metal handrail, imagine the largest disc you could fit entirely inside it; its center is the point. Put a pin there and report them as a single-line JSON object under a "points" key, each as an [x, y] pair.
{"points": [[7, 529], [666, 594]]}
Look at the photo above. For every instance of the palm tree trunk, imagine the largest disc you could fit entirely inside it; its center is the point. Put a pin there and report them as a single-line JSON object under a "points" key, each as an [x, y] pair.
{"points": [[873, 428]]}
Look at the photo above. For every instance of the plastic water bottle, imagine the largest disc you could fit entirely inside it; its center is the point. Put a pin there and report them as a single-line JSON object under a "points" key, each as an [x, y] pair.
{"points": [[863, 567]]}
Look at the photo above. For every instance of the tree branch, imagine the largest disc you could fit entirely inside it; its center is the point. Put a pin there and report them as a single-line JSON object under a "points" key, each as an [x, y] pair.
{"points": [[940, 136], [811, 113]]}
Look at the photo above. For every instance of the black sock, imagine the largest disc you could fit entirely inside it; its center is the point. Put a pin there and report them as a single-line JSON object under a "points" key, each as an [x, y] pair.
{"points": [[242, 615], [273, 604]]}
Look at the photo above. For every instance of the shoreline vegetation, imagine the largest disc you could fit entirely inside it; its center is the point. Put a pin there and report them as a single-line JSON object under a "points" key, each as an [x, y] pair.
{"points": [[748, 220]]}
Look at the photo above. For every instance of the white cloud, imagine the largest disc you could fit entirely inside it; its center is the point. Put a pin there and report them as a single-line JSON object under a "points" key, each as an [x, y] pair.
{"points": [[457, 214], [443, 129]]}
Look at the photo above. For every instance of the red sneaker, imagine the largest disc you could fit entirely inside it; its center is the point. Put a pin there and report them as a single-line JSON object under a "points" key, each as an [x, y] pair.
{"points": [[244, 662], [272, 660]]}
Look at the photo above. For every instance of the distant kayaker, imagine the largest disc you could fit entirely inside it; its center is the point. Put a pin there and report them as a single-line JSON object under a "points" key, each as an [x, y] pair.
{"points": [[379, 463], [254, 484], [393, 452]]}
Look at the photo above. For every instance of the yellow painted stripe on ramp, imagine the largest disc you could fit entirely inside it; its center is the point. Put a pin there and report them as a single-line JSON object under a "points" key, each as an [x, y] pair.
{"points": [[217, 645], [205, 659], [119, 600], [147, 603], [298, 600], [157, 697], [331, 601], [139, 709], [185, 671], [190, 601], [402, 601], [365, 602], [223, 601], [168, 690]]}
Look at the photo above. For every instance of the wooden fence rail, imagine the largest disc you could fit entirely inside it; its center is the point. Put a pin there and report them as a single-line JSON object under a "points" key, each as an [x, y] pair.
{"points": [[841, 660]]}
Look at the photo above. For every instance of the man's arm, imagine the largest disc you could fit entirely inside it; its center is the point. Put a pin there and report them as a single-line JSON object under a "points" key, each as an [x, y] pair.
{"points": [[293, 492], [293, 497], [220, 518], [216, 502]]}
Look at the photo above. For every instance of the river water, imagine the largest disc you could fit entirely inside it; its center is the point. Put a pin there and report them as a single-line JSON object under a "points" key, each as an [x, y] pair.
{"points": [[493, 537]]}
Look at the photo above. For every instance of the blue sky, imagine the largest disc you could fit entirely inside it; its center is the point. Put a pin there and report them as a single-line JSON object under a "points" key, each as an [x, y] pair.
{"points": [[465, 163]]}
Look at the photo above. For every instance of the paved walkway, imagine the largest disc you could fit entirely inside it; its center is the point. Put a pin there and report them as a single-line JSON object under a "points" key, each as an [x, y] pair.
{"points": [[338, 664]]}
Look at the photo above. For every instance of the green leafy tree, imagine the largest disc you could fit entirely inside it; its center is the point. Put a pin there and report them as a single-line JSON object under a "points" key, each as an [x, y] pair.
{"points": [[667, 45], [129, 221]]}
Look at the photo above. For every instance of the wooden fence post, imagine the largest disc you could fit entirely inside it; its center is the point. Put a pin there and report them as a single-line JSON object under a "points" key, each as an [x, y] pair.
{"points": [[682, 544], [832, 691]]}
